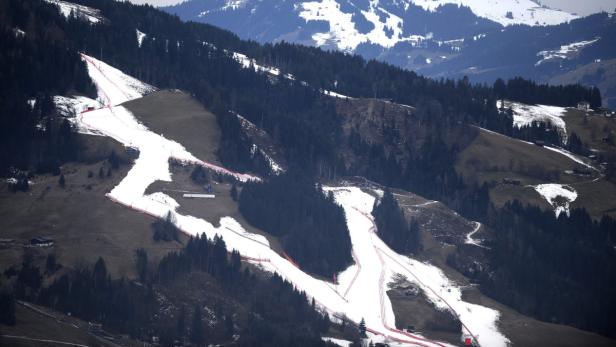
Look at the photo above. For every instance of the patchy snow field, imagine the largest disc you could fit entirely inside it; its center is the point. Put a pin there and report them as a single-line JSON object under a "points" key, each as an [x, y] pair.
{"points": [[565, 51], [522, 11], [387, 27], [571, 156], [361, 291], [524, 115], [557, 195], [92, 15]]}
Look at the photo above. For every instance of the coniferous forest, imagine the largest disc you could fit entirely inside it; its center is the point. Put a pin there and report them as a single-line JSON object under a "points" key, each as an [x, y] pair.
{"points": [[281, 316], [310, 225], [392, 226]]}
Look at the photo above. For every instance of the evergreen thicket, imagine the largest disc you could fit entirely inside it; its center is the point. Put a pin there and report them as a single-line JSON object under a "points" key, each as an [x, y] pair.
{"points": [[281, 315], [557, 269], [34, 67], [310, 225], [392, 226]]}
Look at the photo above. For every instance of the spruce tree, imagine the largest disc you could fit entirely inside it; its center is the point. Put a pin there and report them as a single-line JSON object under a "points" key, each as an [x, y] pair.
{"points": [[362, 329], [181, 324], [234, 192], [197, 334], [7, 309]]}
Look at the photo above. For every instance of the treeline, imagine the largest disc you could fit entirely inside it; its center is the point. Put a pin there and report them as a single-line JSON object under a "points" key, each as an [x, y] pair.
{"points": [[35, 64], [557, 269], [310, 225], [529, 92], [279, 315], [392, 226]]}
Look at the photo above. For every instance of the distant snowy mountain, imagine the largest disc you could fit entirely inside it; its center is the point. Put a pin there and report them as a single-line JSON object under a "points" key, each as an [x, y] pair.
{"points": [[483, 39], [505, 12], [346, 24]]}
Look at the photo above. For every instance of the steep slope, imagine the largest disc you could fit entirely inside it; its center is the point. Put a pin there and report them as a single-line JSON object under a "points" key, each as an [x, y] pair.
{"points": [[294, 103], [152, 165]]}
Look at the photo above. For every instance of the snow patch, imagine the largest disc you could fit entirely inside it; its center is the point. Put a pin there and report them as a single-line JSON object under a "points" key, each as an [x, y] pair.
{"points": [[234, 4], [505, 12], [565, 51], [336, 95], [18, 32], [89, 14], [248, 62], [387, 31], [339, 342], [140, 37], [525, 115], [71, 107], [469, 237], [559, 196], [571, 156], [273, 165]]}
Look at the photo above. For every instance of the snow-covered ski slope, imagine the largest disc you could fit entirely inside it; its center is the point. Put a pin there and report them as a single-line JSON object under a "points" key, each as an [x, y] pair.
{"points": [[361, 291], [114, 87]]}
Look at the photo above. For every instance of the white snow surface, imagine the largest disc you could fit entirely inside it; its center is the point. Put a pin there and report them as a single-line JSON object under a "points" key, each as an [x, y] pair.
{"points": [[140, 37], [564, 52], [571, 156], [18, 32], [275, 168], [469, 240], [339, 342], [388, 27], [557, 195], [114, 87], [525, 115], [387, 31], [526, 12], [71, 107], [92, 15], [361, 291], [247, 62]]}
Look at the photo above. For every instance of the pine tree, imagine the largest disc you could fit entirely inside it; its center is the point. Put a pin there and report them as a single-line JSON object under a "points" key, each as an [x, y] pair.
{"points": [[234, 192], [197, 334], [50, 264], [7, 309], [362, 329], [181, 324], [99, 274], [141, 262], [62, 181]]}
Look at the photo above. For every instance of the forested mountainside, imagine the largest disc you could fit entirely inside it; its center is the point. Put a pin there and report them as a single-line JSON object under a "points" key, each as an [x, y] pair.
{"points": [[295, 107]]}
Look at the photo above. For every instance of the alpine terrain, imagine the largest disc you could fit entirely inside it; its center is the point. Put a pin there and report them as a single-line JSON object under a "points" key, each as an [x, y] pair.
{"points": [[483, 40], [326, 173]]}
